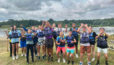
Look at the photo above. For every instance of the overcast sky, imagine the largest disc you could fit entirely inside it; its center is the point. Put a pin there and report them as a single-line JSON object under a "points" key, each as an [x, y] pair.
{"points": [[56, 9]]}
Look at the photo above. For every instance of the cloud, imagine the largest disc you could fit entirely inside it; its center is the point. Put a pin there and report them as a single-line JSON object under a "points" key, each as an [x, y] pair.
{"points": [[56, 9]]}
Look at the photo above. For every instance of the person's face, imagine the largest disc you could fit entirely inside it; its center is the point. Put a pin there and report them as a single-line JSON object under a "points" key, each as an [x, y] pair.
{"points": [[54, 25], [101, 30], [29, 31], [33, 28], [66, 26], [73, 25], [61, 33], [70, 33], [90, 28], [84, 29], [14, 27]]}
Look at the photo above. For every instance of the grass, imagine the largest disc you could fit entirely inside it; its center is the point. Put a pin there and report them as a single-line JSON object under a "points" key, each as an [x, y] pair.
{"points": [[6, 60]]}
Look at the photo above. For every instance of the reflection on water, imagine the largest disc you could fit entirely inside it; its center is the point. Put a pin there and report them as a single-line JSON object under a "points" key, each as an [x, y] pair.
{"points": [[109, 30]]}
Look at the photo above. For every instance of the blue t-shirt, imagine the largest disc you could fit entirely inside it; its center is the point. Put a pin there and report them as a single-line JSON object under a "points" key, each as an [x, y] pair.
{"points": [[58, 40]]}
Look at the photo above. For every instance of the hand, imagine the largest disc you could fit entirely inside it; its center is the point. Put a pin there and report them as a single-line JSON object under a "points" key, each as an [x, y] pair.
{"points": [[86, 25], [58, 43], [72, 41]]}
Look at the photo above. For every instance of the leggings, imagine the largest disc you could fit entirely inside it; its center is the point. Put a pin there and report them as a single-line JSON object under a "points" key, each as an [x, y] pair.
{"points": [[30, 47]]}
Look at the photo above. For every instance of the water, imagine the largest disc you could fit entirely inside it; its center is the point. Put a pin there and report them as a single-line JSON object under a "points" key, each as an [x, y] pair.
{"points": [[109, 30]]}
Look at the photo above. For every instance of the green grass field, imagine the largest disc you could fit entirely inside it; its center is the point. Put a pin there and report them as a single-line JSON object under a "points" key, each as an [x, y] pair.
{"points": [[6, 60]]}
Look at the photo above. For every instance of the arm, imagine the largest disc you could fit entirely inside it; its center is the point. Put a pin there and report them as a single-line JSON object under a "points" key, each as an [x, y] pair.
{"points": [[25, 29], [80, 27], [88, 28]]}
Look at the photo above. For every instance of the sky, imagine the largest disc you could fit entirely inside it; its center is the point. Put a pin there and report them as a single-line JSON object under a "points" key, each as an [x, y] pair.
{"points": [[56, 9]]}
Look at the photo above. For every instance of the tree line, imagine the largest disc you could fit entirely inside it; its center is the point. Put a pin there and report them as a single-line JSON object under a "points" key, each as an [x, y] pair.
{"points": [[28, 23]]}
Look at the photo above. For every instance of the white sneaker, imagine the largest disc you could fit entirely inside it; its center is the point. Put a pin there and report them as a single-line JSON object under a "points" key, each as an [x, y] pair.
{"points": [[70, 55], [93, 59], [13, 57], [22, 54], [17, 56], [76, 55], [59, 60], [64, 60]]}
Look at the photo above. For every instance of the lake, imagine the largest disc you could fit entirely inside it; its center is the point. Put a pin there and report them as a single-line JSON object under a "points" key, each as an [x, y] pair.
{"points": [[109, 30]]}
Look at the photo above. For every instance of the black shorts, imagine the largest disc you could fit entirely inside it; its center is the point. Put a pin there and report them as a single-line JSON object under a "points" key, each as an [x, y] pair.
{"points": [[15, 42], [92, 42], [49, 43]]}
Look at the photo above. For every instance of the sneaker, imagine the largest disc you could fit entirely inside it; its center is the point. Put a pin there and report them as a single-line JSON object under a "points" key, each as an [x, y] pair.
{"points": [[13, 57], [22, 54], [68, 62], [72, 62], [81, 63], [58, 60], [76, 55], [64, 60], [89, 63], [17, 56], [93, 59], [106, 62], [38, 57], [97, 63]]}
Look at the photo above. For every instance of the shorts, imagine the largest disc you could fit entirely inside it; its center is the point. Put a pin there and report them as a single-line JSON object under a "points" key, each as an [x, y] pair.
{"points": [[70, 51], [49, 43], [61, 48], [41, 41], [15, 42], [22, 44], [104, 50], [84, 49], [92, 43]]}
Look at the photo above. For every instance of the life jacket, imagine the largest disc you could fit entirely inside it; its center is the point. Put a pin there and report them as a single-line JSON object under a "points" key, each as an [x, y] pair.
{"points": [[29, 37], [69, 39], [102, 41], [84, 38], [40, 34], [91, 38], [62, 38], [23, 38], [48, 31], [15, 34]]}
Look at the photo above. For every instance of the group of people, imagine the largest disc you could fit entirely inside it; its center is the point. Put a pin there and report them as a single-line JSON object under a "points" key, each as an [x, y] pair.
{"points": [[44, 37]]}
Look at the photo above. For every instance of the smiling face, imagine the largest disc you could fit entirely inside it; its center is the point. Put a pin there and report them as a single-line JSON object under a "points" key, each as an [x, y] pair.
{"points": [[73, 25], [29, 31], [14, 27], [84, 29], [102, 30], [70, 33]]}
